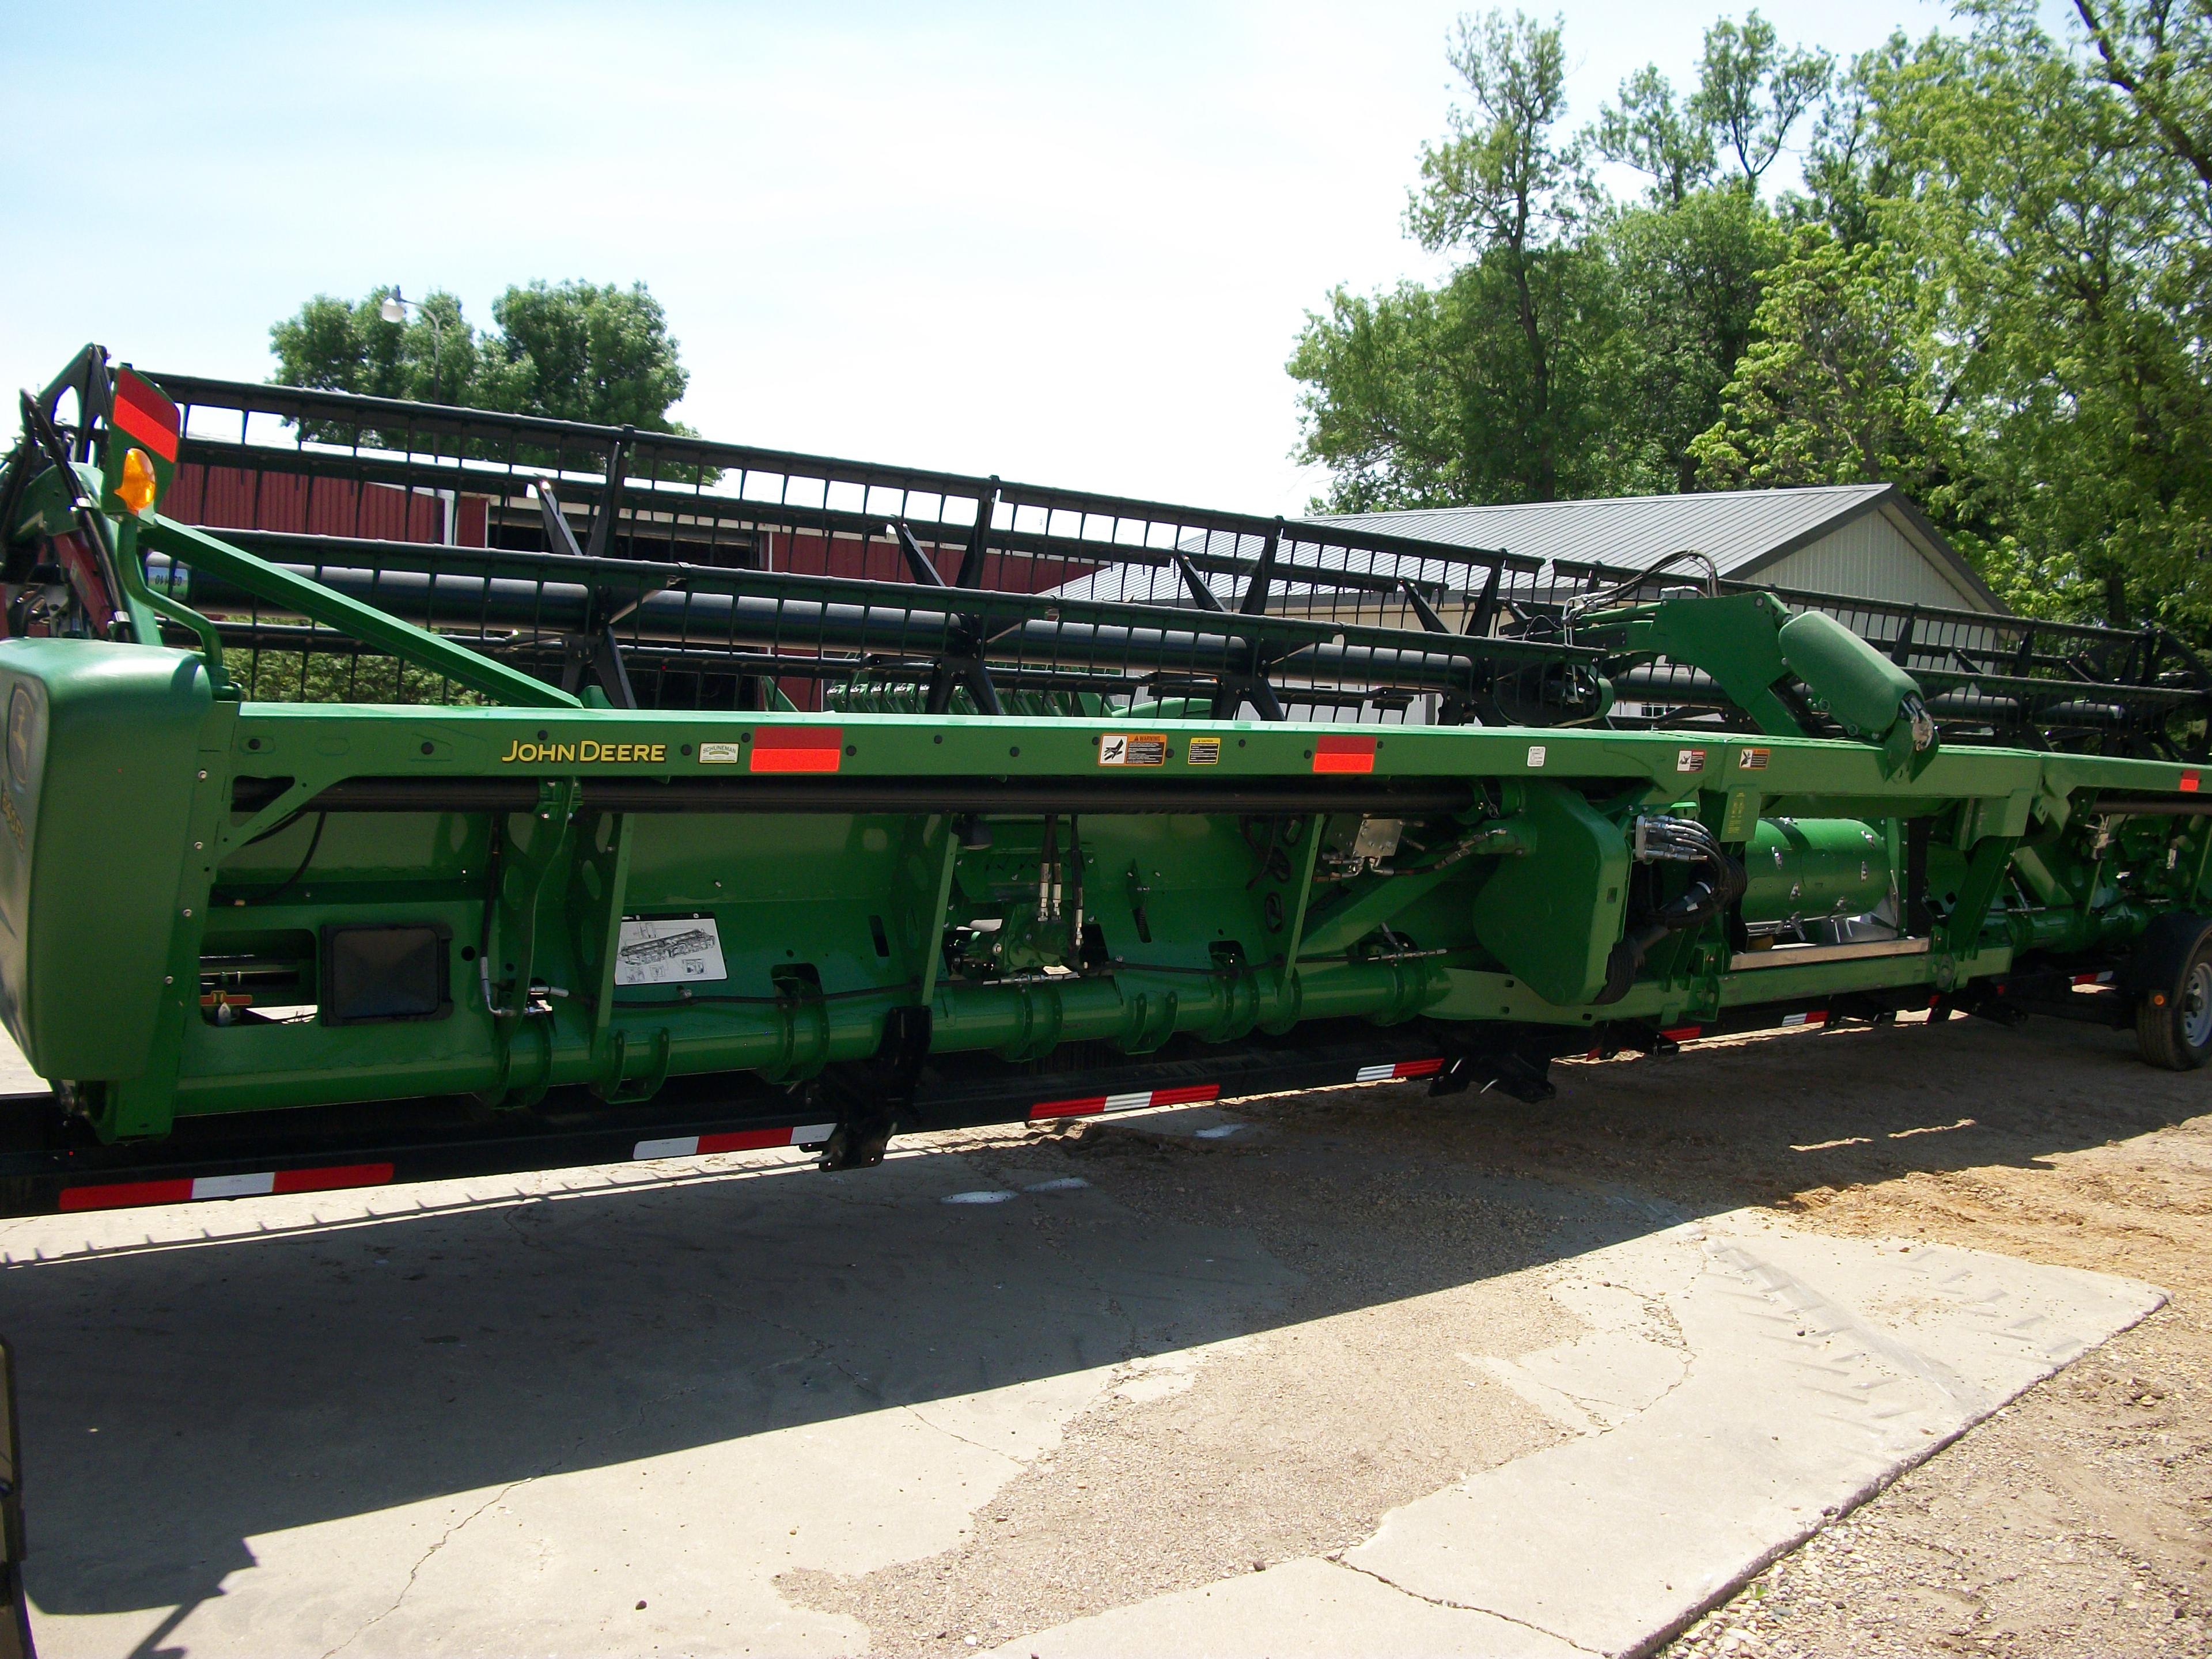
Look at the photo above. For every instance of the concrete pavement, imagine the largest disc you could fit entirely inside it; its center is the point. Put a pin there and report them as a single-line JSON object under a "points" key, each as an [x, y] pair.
{"points": [[497, 1416]]}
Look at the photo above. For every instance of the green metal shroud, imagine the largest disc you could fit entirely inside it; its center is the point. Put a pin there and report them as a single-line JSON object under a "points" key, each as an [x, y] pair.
{"points": [[211, 905]]}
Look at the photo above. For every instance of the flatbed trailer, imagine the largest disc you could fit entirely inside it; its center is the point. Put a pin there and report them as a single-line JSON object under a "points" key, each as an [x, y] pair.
{"points": [[464, 792]]}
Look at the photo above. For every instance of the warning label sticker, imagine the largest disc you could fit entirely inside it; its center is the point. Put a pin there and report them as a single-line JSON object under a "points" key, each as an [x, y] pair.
{"points": [[1204, 751], [1754, 759], [1690, 760], [1132, 749], [668, 951]]}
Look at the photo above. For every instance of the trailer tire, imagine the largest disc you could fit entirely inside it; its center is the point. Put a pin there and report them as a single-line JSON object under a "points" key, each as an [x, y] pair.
{"points": [[2172, 977]]}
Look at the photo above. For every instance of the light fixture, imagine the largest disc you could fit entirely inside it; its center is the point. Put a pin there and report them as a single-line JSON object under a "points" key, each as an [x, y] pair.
{"points": [[138, 485], [394, 309]]}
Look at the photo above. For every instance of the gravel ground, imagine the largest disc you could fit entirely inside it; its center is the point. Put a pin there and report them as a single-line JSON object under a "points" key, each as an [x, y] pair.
{"points": [[2077, 1522]]}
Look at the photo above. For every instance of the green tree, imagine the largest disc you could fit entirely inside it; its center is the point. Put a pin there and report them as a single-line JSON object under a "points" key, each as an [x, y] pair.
{"points": [[1650, 130], [574, 351], [431, 355], [1692, 275], [1751, 92], [1833, 388], [1493, 387], [582, 352], [2020, 333]]}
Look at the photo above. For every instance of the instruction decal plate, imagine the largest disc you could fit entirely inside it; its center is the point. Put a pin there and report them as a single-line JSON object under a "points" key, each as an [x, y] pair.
{"points": [[669, 951]]}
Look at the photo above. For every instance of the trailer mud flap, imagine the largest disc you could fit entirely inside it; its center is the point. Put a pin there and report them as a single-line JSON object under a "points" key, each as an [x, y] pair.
{"points": [[14, 1607]]}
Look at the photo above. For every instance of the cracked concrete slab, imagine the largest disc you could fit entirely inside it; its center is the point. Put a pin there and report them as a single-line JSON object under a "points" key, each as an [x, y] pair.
{"points": [[495, 1416], [464, 1417], [1739, 1382], [1300, 1610]]}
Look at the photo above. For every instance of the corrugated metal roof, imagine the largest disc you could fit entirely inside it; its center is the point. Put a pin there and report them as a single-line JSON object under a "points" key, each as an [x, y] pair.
{"points": [[1736, 529], [1741, 531]]}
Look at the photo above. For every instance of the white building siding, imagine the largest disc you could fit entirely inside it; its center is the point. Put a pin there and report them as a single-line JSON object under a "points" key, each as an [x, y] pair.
{"points": [[1872, 558]]}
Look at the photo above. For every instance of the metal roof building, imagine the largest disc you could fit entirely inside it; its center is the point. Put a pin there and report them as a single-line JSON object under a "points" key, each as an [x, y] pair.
{"points": [[1855, 541], [1864, 541]]}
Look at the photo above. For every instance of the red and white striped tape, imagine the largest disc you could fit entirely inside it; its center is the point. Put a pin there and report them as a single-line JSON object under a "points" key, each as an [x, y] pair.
{"points": [[132, 1195], [2105, 978], [1816, 1016], [1191, 1094], [1404, 1068], [738, 1140], [1199, 1094]]}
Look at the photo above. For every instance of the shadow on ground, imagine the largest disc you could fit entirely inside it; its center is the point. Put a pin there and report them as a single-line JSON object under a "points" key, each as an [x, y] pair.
{"points": [[180, 1400]]}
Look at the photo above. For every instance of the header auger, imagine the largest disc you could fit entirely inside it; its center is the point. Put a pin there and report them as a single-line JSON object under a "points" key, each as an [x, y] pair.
{"points": [[393, 791]]}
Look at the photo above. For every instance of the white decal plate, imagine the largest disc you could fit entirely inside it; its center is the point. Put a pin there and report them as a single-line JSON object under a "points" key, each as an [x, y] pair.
{"points": [[669, 951]]}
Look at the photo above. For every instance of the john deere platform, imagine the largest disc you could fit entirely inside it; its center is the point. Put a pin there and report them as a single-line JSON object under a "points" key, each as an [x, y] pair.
{"points": [[393, 791]]}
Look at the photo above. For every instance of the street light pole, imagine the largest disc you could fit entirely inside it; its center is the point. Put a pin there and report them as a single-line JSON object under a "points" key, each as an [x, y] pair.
{"points": [[394, 309]]}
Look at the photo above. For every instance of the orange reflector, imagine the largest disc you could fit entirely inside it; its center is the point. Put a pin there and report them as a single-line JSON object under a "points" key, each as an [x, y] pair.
{"points": [[798, 749], [2188, 782], [1344, 754], [138, 486]]}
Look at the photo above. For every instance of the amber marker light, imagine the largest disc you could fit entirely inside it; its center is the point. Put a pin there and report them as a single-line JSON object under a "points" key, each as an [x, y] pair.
{"points": [[137, 487]]}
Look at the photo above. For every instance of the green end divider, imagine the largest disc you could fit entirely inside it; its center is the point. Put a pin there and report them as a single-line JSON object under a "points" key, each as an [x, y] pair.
{"points": [[418, 645]]}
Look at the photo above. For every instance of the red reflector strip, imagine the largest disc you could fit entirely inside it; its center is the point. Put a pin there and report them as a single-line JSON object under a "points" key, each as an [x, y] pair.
{"points": [[132, 1195], [1344, 754], [1088, 1107], [799, 749], [331, 1178], [735, 1140], [127, 1194], [145, 414], [1190, 1094], [2189, 783], [1681, 1033], [1404, 1068], [1817, 1017], [2103, 978]]}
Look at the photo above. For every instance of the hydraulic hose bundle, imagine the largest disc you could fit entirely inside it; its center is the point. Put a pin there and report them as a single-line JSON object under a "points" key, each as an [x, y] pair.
{"points": [[1719, 882]]}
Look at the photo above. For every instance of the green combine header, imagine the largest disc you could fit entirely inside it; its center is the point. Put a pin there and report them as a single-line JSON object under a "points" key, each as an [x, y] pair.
{"points": [[394, 792]]}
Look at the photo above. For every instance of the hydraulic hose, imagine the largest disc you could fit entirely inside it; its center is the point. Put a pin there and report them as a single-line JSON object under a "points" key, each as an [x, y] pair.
{"points": [[1720, 884]]}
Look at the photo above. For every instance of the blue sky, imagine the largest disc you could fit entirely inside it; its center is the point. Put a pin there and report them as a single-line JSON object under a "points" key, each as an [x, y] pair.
{"points": [[1065, 244]]}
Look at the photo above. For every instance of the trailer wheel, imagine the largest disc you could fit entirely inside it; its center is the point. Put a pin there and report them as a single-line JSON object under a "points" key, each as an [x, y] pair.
{"points": [[2173, 976]]}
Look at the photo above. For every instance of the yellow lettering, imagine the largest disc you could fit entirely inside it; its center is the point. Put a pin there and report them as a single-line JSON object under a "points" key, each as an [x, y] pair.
{"points": [[513, 751], [566, 752], [629, 752], [660, 751], [588, 751]]}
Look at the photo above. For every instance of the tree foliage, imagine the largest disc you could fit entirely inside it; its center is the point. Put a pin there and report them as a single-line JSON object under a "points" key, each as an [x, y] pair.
{"points": [[574, 351], [1992, 290], [1583, 344]]}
